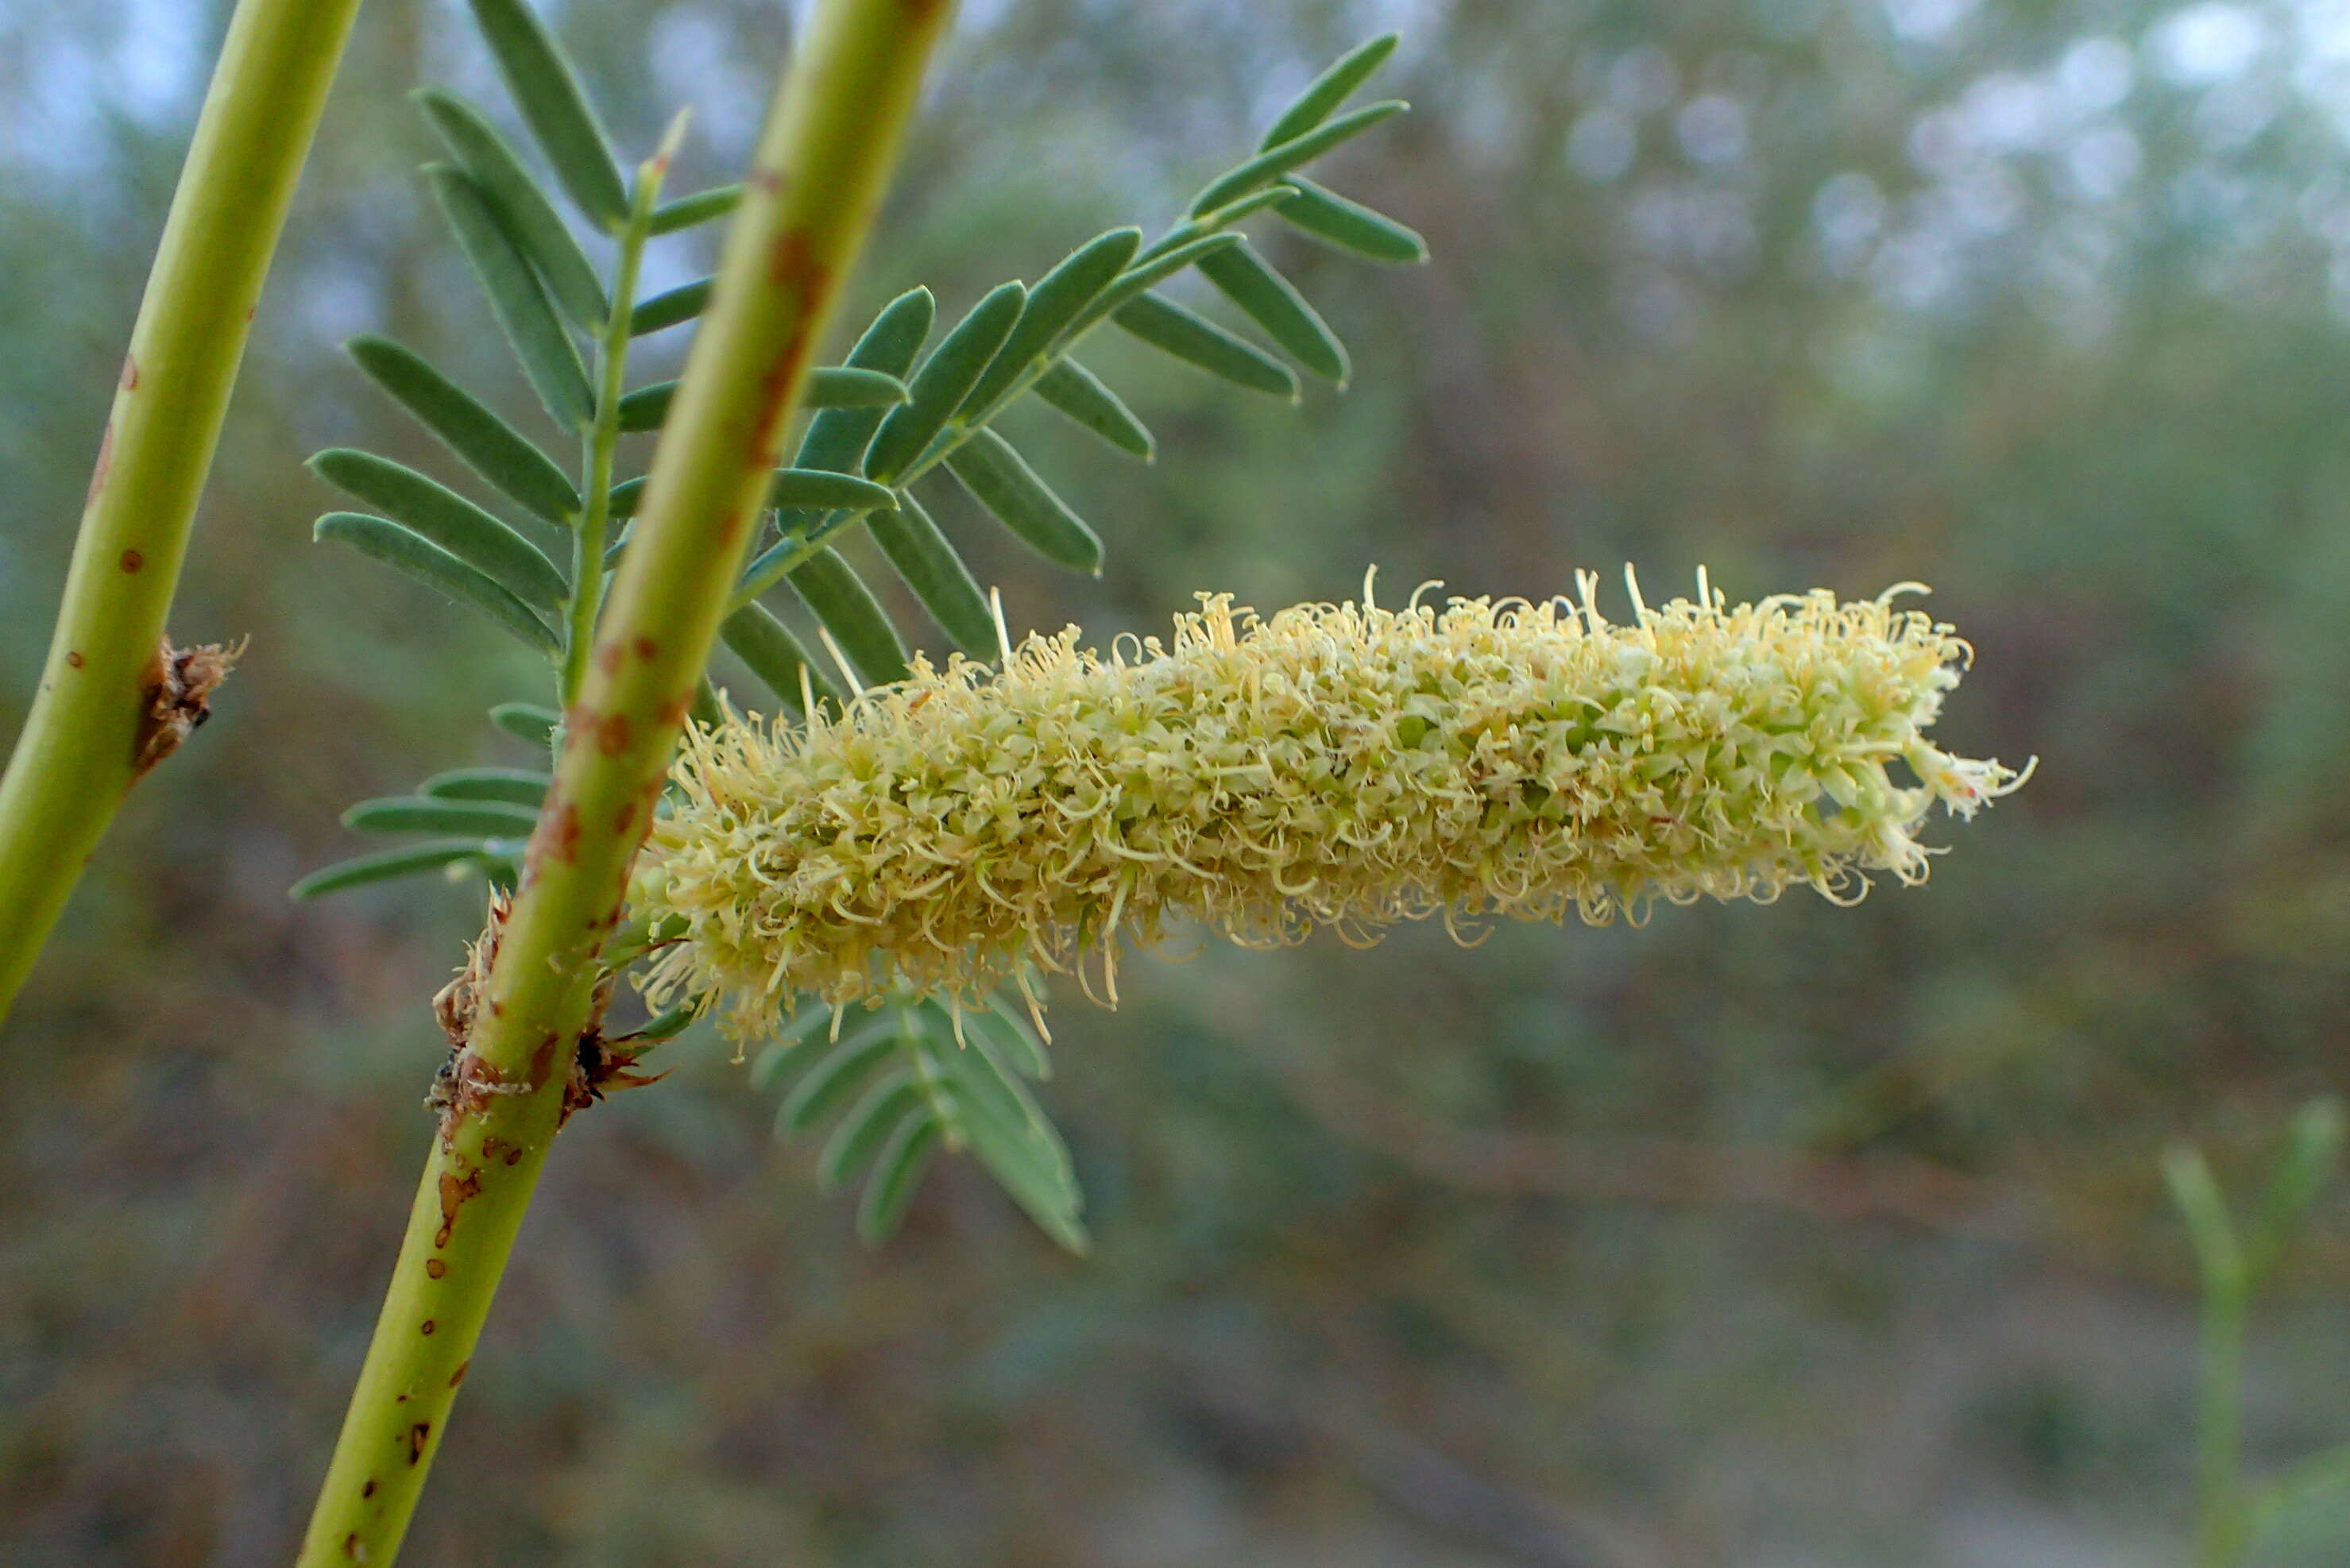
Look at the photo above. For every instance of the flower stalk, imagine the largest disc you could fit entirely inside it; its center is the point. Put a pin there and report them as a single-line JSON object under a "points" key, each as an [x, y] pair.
{"points": [[92, 728], [527, 1014], [1334, 765]]}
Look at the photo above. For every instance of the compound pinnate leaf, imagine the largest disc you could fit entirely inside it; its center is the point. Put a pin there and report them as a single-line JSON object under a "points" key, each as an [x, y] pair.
{"points": [[1078, 393], [837, 1075], [898, 1172], [945, 379], [1176, 329], [1326, 92], [431, 814], [646, 407], [936, 574], [1275, 161], [1350, 226], [526, 722], [683, 303], [836, 437], [686, 211], [529, 218], [548, 91], [1273, 303], [1015, 1036], [768, 646], [782, 1056], [490, 447], [1147, 275], [447, 519], [1001, 480], [852, 387], [1059, 297], [831, 587], [829, 387], [406, 551], [384, 866], [549, 357], [815, 488], [515, 787], [869, 1122]]}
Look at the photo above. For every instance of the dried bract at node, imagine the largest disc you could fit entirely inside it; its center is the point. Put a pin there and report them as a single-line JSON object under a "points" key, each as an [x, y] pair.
{"points": [[1338, 766], [178, 685]]}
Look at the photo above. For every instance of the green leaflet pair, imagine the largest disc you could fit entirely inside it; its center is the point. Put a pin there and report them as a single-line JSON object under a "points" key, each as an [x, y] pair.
{"points": [[904, 406]]}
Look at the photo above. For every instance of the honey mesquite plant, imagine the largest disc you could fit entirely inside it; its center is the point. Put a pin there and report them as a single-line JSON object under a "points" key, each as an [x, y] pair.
{"points": [[913, 841], [115, 696]]}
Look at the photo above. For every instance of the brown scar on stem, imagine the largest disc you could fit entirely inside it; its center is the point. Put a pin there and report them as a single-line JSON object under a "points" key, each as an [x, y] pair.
{"points": [[429, 1326], [133, 560], [435, 1268], [557, 833], [459, 1376], [453, 1194], [646, 649], [130, 372], [608, 658], [542, 1059], [419, 1435], [613, 733], [73, 657], [369, 1490], [100, 470], [176, 688], [351, 1543]]}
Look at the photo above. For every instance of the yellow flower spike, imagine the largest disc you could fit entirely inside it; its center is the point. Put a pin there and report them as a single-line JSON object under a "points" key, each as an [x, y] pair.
{"points": [[1333, 765]]}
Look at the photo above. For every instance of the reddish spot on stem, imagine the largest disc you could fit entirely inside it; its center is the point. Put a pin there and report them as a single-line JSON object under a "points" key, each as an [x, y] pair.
{"points": [[613, 733], [453, 1194], [418, 1437], [429, 1326], [542, 1059], [674, 710], [435, 1268], [129, 373], [513, 1156], [459, 1376], [351, 1546], [623, 820], [558, 835], [608, 658], [133, 560], [771, 181], [73, 659], [648, 649]]}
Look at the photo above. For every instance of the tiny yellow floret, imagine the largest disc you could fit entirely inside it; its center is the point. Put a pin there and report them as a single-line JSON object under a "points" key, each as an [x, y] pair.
{"points": [[1337, 765]]}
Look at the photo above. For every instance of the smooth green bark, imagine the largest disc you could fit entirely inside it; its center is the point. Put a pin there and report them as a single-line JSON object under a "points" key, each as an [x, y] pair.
{"points": [[79, 751]]}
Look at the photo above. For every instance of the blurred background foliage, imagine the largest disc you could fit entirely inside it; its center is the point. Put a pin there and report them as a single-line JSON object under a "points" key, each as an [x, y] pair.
{"points": [[1756, 1237]]}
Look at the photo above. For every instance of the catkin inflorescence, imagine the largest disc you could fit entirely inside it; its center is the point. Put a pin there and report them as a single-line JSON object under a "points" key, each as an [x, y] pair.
{"points": [[1338, 766]]}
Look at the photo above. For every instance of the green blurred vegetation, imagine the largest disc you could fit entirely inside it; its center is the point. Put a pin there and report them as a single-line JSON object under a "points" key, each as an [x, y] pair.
{"points": [[1756, 1237]]}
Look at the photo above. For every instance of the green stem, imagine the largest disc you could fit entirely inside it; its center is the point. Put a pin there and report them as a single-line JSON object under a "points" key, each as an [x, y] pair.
{"points": [[822, 165], [604, 438], [2222, 1532], [81, 748]]}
